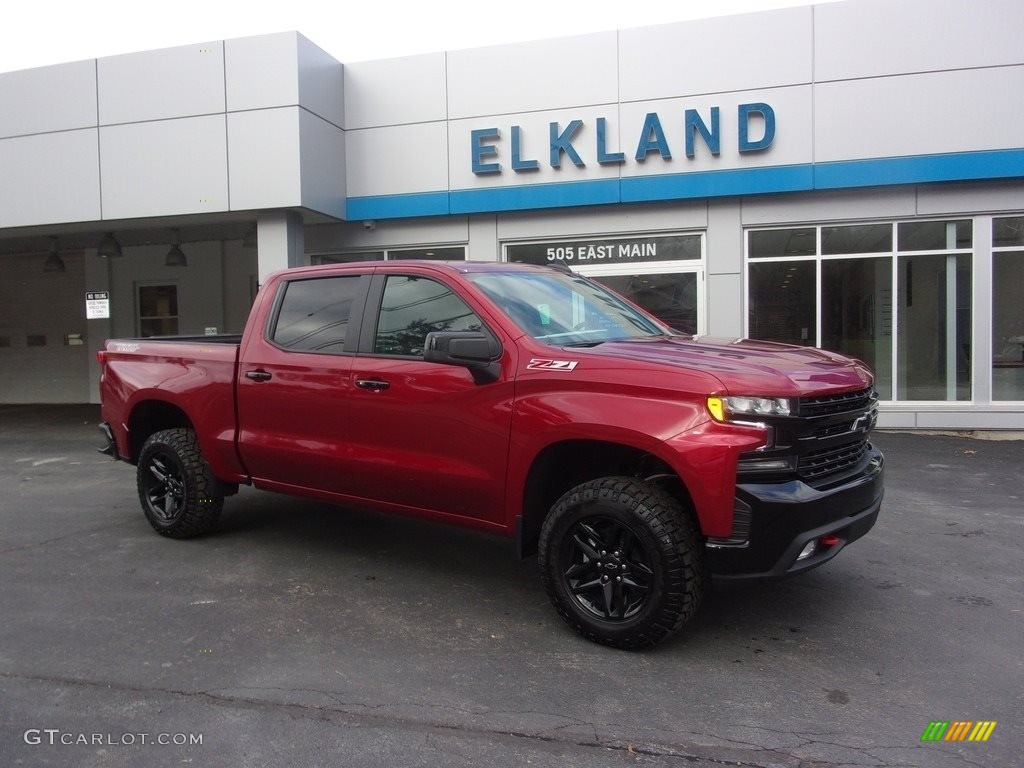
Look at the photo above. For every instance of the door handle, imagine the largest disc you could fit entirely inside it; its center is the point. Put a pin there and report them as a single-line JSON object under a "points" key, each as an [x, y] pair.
{"points": [[374, 385], [258, 375]]}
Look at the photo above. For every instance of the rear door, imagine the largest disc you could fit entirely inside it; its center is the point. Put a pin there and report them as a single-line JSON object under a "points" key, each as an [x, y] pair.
{"points": [[426, 435], [294, 384]]}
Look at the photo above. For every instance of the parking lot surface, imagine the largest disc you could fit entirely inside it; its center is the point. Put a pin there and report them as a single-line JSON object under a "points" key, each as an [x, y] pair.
{"points": [[302, 634]]}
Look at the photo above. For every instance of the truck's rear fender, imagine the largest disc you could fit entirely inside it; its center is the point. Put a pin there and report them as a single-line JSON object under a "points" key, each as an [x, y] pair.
{"points": [[672, 442], [211, 416]]}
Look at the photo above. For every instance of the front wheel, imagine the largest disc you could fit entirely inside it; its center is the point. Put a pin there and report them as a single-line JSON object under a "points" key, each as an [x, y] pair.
{"points": [[622, 561], [176, 488]]}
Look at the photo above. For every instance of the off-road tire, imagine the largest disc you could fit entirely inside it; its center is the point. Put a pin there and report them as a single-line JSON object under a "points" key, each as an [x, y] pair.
{"points": [[178, 493], [659, 562]]}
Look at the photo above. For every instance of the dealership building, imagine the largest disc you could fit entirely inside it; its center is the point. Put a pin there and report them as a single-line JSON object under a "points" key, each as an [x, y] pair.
{"points": [[847, 175]]}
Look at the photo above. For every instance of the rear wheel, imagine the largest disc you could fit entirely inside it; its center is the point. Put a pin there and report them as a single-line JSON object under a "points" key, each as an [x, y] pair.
{"points": [[176, 488], [622, 561]]}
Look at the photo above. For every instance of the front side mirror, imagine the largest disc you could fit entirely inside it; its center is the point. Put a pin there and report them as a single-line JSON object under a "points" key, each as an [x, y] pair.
{"points": [[478, 351]]}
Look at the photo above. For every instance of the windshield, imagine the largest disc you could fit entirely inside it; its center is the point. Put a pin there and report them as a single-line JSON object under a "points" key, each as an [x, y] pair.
{"points": [[564, 309]]}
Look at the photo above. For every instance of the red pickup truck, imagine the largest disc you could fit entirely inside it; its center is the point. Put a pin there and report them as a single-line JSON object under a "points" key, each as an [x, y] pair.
{"points": [[519, 400]]}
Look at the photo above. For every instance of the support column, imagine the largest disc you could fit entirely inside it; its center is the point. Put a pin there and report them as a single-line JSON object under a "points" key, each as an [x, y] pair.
{"points": [[280, 242]]}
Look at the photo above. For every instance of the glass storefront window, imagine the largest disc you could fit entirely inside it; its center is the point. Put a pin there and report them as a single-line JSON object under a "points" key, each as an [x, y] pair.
{"points": [[347, 258], [858, 238], [1008, 232], [435, 253], [843, 297], [783, 302], [934, 235], [1007, 310], [672, 298], [934, 327], [776, 243], [856, 314], [457, 253]]}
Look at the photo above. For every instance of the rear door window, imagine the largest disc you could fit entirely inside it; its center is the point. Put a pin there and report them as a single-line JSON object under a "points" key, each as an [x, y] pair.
{"points": [[314, 314]]}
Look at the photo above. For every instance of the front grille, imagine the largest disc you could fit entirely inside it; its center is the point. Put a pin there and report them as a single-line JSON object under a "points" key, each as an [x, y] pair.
{"points": [[825, 405], [818, 464]]}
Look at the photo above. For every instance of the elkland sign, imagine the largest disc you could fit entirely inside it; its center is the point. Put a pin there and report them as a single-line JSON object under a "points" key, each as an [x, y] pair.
{"points": [[491, 153]]}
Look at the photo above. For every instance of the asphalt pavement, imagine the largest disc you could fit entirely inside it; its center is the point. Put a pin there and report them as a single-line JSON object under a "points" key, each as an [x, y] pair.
{"points": [[302, 634]]}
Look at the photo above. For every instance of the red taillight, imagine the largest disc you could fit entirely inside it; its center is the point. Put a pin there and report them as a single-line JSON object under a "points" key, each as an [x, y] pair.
{"points": [[101, 357], [829, 541]]}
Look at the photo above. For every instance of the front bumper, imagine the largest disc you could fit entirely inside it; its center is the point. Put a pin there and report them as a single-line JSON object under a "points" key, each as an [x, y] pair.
{"points": [[786, 516]]}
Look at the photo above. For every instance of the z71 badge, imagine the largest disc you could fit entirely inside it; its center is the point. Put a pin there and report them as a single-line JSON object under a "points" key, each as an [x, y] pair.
{"points": [[538, 364]]}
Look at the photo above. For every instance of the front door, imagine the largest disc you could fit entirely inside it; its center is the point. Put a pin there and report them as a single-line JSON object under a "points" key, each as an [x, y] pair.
{"points": [[426, 435]]}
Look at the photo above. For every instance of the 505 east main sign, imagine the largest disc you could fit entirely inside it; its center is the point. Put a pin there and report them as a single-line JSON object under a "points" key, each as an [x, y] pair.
{"points": [[755, 124]]}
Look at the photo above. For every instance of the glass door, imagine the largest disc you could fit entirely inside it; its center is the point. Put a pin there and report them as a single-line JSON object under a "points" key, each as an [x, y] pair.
{"points": [[662, 273], [674, 297]]}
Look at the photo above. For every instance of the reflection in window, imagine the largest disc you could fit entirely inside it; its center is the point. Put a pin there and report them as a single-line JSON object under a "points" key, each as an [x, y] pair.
{"points": [[670, 298], [1008, 232], [772, 243], [934, 335], [560, 308], [314, 314], [856, 314], [858, 238], [783, 304], [935, 235], [1008, 325], [411, 308]]}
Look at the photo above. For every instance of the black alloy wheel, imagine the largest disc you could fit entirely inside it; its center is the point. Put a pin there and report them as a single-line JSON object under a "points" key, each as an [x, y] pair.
{"points": [[609, 571], [164, 486], [622, 561], [179, 495]]}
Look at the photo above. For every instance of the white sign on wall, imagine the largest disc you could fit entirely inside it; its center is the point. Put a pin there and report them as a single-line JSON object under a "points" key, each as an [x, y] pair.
{"points": [[97, 305]]}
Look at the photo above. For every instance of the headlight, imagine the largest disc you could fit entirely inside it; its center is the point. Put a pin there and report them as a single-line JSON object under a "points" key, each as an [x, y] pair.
{"points": [[726, 408]]}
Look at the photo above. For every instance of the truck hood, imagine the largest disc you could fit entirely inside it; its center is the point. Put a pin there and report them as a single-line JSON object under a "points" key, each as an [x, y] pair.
{"points": [[745, 366]]}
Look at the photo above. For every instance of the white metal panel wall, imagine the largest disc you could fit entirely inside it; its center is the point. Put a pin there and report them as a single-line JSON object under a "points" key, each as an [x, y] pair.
{"points": [[164, 168], [322, 164], [59, 98], [938, 199], [411, 89], [872, 38], [264, 152], [321, 82], [260, 72], [397, 160], [716, 55], [49, 178], [922, 114], [836, 205], [592, 221], [171, 82], [545, 74]]}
